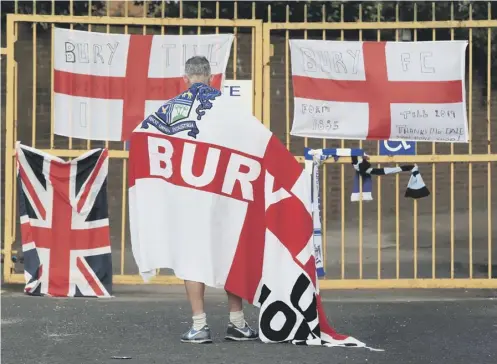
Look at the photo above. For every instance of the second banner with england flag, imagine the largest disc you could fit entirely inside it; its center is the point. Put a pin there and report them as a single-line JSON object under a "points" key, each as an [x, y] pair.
{"points": [[105, 84], [379, 90]]}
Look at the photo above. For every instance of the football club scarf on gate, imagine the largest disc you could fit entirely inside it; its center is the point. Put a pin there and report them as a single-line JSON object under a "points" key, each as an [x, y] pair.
{"points": [[416, 187], [313, 161], [236, 200], [64, 223]]}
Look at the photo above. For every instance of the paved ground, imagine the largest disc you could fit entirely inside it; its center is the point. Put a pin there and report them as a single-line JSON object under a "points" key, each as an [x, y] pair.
{"points": [[144, 323]]}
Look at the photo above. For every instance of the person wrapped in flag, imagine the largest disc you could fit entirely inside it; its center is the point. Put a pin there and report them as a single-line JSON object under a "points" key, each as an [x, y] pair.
{"points": [[171, 119], [220, 200]]}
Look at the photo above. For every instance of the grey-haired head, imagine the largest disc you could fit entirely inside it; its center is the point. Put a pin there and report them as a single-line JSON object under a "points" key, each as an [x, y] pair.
{"points": [[197, 69]]}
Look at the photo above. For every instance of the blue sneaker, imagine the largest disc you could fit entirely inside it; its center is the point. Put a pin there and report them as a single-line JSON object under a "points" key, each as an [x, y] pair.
{"points": [[234, 333], [202, 336]]}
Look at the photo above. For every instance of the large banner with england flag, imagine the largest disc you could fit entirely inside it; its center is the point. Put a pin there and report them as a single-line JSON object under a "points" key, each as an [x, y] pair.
{"points": [[105, 84], [379, 90]]}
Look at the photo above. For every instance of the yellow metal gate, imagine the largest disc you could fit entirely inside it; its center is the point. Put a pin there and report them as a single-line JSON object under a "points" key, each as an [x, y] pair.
{"points": [[441, 241], [36, 128], [444, 241]]}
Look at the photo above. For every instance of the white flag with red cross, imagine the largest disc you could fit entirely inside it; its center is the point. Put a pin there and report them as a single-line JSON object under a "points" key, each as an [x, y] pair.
{"points": [[106, 84], [379, 90]]}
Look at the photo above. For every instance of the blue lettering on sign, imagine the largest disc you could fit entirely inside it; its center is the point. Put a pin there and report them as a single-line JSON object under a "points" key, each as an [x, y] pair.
{"points": [[389, 147], [233, 90]]}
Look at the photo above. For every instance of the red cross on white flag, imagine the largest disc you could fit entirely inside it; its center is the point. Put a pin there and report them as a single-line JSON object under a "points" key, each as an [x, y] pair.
{"points": [[105, 84], [379, 90]]}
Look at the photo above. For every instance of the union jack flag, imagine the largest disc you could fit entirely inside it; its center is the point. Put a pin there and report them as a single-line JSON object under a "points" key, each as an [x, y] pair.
{"points": [[64, 223]]}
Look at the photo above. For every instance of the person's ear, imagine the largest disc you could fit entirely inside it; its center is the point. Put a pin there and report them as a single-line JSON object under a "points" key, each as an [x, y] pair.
{"points": [[211, 77], [187, 81]]}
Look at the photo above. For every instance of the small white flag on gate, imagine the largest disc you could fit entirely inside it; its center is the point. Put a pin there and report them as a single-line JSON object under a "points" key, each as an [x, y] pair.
{"points": [[105, 84], [379, 90]]}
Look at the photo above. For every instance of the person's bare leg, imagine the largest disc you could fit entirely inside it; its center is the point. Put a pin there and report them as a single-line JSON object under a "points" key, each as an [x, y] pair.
{"points": [[234, 302], [236, 310], [195, 292], [199, 332], [238, 329]]}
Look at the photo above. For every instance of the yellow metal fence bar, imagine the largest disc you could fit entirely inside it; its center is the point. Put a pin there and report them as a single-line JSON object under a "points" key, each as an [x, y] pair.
{"points": [[14, 184], [287, 81], [107, 30], [252, 65], [428, 158], [137, 21], [235, 40], [33, 107], [489, 145], [306, 140], [267, 70], [257, 70], [71, 26], [470, 146], [378, 223], [124, 164], [89, 109], [452, 243], [445, 283], [438, 24], [342, 179], [433, 185], [52, 94], [9, 149], [397, 199], [422, 158], [415, 203], [324, 230]]}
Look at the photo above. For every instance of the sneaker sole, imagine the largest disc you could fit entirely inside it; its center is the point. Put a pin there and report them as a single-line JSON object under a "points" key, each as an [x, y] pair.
{"points": [[232, 338], [197, 341]]}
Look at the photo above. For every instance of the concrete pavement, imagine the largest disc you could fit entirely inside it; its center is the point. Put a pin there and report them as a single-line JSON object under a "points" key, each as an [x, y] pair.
{"points": [[144, 323]]}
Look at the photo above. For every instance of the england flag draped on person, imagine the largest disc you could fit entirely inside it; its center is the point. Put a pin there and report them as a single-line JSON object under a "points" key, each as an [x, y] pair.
{"points": [[217, 198]]}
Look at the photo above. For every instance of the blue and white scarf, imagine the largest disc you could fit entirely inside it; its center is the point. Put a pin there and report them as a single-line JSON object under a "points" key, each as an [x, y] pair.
{"points": [[314, 158]]}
